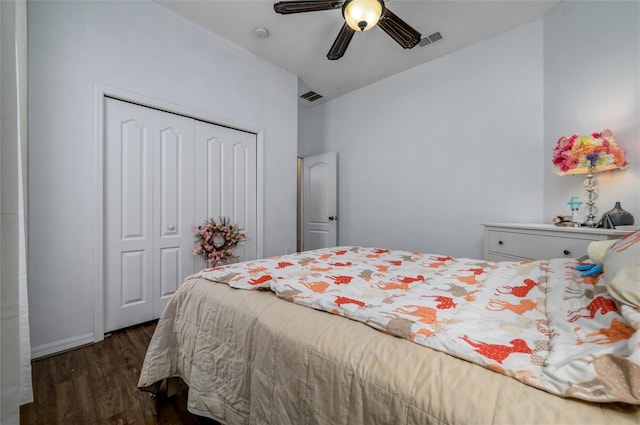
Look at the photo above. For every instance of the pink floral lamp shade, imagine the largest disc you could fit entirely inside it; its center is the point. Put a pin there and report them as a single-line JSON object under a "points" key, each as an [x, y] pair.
{"points": [[574, 154], [588, 154]]}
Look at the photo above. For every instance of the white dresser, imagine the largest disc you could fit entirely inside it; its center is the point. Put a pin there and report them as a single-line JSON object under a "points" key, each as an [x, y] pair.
{"points": [[517, 242]]}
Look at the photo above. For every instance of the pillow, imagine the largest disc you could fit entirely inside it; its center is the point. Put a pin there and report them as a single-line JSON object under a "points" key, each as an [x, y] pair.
{"points": [[622, 269]]}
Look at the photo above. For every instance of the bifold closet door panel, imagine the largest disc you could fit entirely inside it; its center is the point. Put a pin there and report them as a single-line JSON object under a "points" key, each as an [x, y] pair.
{"points": [[226, 181], [173, 205], [148, 210], [128, 208]]}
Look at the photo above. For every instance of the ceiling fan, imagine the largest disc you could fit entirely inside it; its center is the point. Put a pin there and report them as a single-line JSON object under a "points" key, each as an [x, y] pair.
{"points": [[359, 15]]}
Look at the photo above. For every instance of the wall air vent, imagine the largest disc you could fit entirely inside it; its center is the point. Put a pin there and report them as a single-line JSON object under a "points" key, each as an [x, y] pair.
{"points": [[436, 36], [311, 96]]}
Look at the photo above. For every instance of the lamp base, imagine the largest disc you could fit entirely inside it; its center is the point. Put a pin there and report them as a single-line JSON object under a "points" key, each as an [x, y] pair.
{"points": [[590, 222], [590, 196]]}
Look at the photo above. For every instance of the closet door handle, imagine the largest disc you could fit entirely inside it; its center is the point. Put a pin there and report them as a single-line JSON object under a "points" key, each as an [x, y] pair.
{"points": [[171, 228], [566, 252], [332, 218]]}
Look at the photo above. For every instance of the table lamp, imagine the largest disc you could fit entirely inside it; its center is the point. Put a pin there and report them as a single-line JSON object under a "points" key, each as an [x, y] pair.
{"points": [[588, 154]]}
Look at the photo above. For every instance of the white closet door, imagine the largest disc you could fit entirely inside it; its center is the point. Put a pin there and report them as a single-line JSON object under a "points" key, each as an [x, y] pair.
{"points": [[226, 181], [149, 210], [173, 206]]}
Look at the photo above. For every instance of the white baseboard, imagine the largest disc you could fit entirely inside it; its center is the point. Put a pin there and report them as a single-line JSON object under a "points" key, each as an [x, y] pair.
{"points": [[60, 346]]}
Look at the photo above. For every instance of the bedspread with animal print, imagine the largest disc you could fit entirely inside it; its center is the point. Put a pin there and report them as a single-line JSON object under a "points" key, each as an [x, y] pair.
{"points": [[538, 321]]}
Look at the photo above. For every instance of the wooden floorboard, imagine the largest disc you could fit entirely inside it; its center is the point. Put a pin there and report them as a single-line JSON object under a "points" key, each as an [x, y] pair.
{"points": [[97, 384]]}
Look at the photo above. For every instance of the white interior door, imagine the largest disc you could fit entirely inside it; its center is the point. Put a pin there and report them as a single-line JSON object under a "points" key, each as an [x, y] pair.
{"points": [[319, 201], [227, 181], [149, 210]]}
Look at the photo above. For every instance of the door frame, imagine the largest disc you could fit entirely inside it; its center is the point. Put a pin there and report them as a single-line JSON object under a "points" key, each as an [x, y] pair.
{"points": [[299, 231], [100, 93]]}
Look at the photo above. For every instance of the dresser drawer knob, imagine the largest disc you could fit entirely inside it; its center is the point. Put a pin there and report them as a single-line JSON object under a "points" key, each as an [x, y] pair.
{"points": [[566, 252], [500, 243]]}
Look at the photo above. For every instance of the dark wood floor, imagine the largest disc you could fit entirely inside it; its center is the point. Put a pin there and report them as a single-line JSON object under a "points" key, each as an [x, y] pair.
{"points": [[96, 384]]}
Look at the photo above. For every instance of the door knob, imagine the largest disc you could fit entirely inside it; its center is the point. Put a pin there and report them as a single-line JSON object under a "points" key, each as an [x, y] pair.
{"points": [[172, 227], [333, 217]]}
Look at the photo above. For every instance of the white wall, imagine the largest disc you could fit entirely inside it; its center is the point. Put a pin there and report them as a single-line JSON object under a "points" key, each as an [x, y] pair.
{"points": [[146, 49], [426, 156], [592, 82]]}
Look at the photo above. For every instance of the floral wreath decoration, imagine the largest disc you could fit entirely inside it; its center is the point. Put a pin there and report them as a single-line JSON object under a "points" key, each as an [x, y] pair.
{"points": [[215, 240]]}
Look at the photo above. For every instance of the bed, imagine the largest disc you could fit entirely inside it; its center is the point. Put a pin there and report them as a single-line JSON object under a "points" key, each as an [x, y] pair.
{"points": [[356, 335]]}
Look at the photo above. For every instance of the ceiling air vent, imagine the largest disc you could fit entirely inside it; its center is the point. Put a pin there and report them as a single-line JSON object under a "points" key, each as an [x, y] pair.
{"points": [[436, 36], [311, 96]]}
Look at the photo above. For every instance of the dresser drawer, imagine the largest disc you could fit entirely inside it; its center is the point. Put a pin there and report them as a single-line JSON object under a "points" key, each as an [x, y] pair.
{"points": [[531, 246], [522, 241]]}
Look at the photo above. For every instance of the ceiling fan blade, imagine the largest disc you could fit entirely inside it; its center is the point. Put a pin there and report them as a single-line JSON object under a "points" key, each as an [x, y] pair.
{"points": [[342, 42], [299, 6], [399, 30]]}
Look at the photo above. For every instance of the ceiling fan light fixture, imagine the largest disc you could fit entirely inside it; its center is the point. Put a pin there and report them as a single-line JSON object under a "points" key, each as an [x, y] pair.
{"points": [[362, 15]]}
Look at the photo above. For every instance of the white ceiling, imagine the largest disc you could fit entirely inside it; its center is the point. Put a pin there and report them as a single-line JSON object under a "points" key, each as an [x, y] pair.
{"points": [[299, 42]]}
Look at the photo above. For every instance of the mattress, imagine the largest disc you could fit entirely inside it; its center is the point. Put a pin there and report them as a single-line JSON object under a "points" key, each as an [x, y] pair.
{"points": [[253, 357]]}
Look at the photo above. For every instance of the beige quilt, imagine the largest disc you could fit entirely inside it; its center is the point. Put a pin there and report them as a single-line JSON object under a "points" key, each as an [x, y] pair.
{"points": [[250, 357]]}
